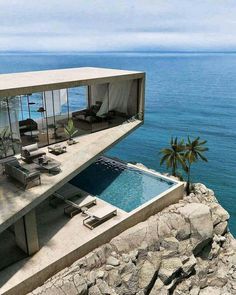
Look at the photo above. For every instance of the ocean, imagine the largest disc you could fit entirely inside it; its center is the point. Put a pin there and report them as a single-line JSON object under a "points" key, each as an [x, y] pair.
{"points": [[186, 94]]}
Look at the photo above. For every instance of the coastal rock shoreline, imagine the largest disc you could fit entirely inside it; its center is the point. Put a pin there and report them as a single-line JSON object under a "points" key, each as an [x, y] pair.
{"points": [[184, 249]]}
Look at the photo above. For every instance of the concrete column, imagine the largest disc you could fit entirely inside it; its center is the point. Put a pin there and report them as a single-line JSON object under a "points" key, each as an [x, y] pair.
{"points": [[26, 234]]}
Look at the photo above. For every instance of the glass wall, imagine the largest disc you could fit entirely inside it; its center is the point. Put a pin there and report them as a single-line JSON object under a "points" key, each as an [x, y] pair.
{"points": [[42, 117]]}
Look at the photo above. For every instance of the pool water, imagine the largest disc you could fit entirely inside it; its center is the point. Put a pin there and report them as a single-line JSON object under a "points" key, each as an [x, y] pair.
{"points": [[120, 185]]}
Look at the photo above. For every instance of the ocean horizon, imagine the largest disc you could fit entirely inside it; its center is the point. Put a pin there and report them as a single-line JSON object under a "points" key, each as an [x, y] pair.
{"points": [[187, 93]]}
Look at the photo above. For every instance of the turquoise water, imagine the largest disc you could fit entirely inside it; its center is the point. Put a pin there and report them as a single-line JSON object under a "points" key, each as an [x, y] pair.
{"points": [[186, 94], [120, 185]]}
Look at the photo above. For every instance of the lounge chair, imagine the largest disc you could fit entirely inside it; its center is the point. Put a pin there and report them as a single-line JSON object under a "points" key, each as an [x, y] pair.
{"points": [[82, 204], [99, 216], [30, 152], [21, 174], [27, 125]]}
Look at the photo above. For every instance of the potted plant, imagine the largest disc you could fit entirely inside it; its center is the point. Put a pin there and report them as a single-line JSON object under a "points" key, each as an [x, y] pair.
{"points": [[71, 131]]}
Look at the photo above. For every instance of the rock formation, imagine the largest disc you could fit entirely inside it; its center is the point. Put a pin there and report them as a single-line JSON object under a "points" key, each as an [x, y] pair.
{"points": [[184, 249]]}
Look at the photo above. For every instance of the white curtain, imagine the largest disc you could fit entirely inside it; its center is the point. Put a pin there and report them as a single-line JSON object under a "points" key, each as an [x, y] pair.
{"points": [[55, 99], [48, 103], [118, 96], [119, 93], [99, 93], [63, 96], [14, 109]]}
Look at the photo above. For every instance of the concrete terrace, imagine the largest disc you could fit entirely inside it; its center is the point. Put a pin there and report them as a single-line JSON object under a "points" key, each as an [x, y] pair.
{"points": [[16, 202]]}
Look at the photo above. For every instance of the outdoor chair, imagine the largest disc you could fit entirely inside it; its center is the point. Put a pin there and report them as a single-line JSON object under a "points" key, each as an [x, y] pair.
{"points": [[82, 204], [99, 216], [24, 176], [30, 152], [27, 125]]}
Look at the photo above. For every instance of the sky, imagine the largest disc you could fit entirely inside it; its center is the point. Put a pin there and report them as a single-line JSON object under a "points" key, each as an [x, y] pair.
{"points": [[117, 25]]}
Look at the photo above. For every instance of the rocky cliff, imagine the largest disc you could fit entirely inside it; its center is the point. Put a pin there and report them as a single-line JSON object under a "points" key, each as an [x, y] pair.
{"points": [[184, 249]]}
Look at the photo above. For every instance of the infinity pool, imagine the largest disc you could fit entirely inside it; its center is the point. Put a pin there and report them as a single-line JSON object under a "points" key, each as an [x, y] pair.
{"points": [[119, 184]]}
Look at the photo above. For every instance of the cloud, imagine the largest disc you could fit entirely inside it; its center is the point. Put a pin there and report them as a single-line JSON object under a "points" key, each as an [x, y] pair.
{"points": [[82, 25]]}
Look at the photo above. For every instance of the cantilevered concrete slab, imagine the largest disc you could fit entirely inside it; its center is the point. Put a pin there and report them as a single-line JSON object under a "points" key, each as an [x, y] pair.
{"points": [[16, 202], [29, 82]]}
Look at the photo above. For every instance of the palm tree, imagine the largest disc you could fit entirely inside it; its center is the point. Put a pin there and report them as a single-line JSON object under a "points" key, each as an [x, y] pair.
{"points": [[174, 155], [194, 152]]}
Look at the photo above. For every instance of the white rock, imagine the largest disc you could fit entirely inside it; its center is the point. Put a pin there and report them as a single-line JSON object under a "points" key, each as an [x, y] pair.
{"points": [[221, 228], [112, 261], [189, 265], [104, 288], [155, 258], [168, 269], [146, 274], [80, 284], [195, 290], [210, 291], [170, 243], [94, 291], [200, 219], [219, 214], [114, 278], [159, 288]]}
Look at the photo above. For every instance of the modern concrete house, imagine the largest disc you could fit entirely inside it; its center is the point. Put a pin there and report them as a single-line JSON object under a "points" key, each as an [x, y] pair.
{"points": [[105, 105], [99, 107]]}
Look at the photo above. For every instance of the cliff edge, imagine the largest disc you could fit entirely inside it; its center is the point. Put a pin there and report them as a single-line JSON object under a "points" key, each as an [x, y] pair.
{"points": [[184, 249]]}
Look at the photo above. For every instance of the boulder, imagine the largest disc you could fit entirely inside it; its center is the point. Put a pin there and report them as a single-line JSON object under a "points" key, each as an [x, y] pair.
{"points": [[94, 291], [169, 267], [130, 282], [219, 214], [200, 220], [114, 278], [111, 260], [210, 291], [101, 253], [92, 260], [104, 288], [159, 288], [130, 239], [146, 275], [68, 287], [152, 237], [215, 281], [164, 230], [200, 188], [80, 284], [170, 243], [127, 268], [194, 290], [155, 259], [215, 250], [221, 228], [189, 265]]}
